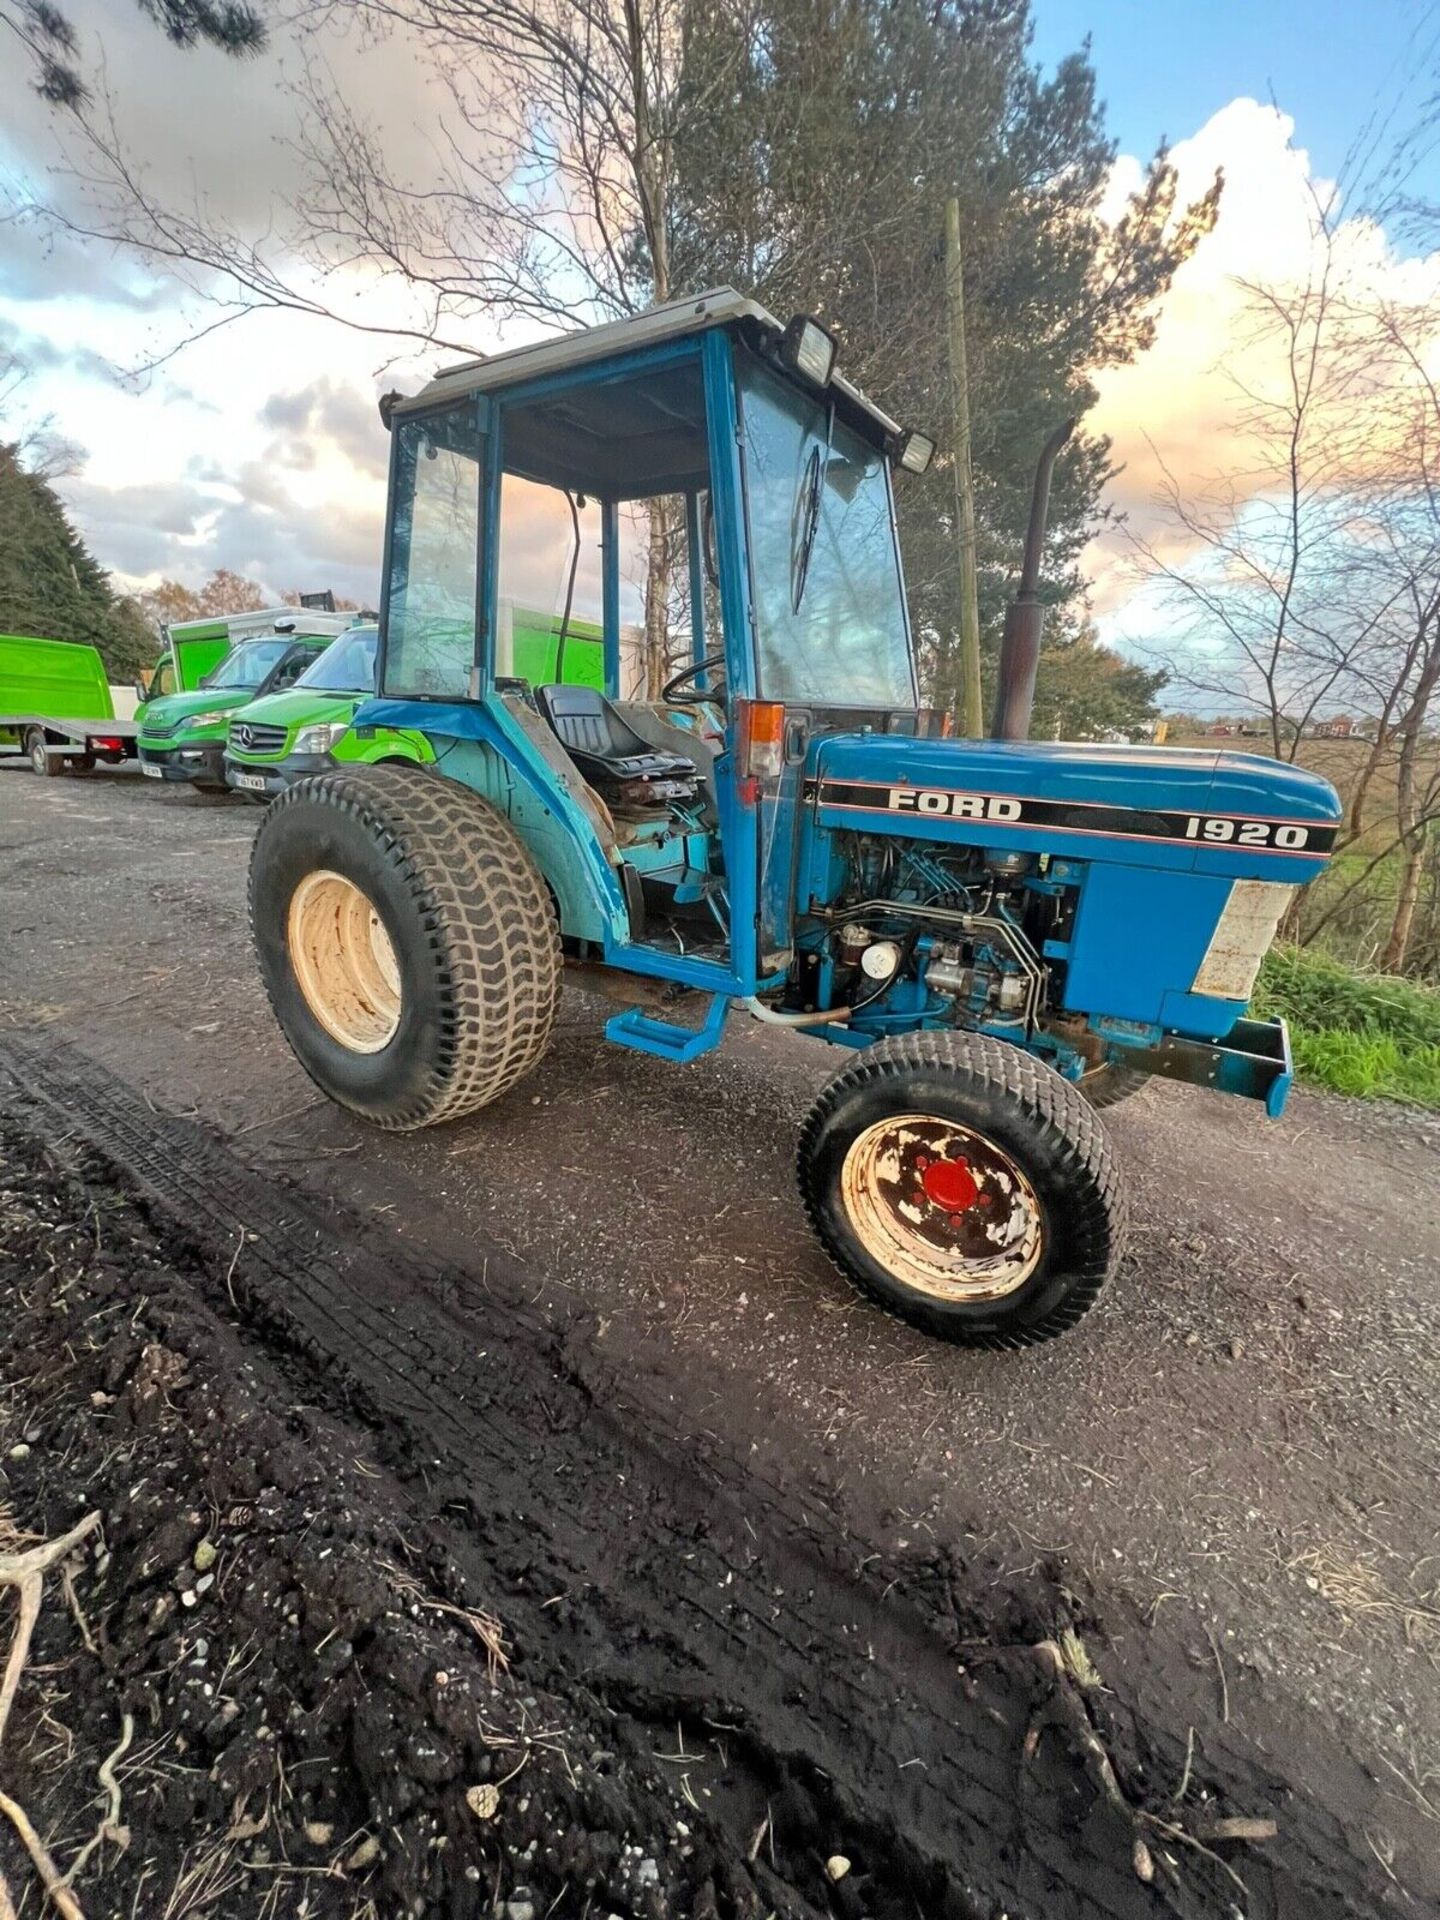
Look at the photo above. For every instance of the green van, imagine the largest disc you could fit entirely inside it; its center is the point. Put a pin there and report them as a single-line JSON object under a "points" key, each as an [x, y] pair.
{"points": [[56, 706], [182, 735], [305, 729], [194, 648]]}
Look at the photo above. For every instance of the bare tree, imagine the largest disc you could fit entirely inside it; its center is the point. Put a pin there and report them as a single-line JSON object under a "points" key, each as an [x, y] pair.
{"points": [[34, 441], [1249, 565], [1307, 581], [1406, 501], [550, 199]]}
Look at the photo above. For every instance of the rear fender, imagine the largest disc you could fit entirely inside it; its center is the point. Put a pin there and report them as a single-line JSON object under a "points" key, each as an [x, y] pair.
{"points": [[491, 747]]}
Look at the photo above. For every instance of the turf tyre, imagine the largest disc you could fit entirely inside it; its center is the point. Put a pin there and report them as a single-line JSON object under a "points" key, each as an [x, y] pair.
{"points": [[1041, 1121], [1108, 1085], [470, 924]]}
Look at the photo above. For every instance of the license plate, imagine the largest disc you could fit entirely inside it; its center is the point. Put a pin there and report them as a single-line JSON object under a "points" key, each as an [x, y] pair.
{"points": [[151, 773], [252, 782]]}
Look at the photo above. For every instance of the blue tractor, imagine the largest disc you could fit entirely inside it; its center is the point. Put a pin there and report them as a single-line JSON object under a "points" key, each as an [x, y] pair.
{"points": [[1003, 935]]}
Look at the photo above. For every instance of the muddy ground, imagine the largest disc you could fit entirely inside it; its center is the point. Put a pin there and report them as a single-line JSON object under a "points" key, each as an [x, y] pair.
{"points": [[630, 1400]]}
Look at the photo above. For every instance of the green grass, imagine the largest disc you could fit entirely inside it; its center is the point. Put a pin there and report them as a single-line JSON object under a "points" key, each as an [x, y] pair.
{"points": [[1359, 1033]]}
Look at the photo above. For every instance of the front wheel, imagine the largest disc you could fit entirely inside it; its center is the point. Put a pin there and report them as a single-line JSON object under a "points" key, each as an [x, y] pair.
{"points": [[1109, 1084], [48, 765], [966, 1186]]}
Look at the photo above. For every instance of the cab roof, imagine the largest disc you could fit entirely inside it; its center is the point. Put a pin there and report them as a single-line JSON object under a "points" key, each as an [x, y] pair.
{"points": [[696, 314]]}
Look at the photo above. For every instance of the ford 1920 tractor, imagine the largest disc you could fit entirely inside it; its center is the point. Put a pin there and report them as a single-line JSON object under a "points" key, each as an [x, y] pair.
{"points": [[1004, 936]]}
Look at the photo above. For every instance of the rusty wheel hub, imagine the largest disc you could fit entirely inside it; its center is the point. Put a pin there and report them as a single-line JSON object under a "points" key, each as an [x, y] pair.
{"points": [[942, 1208]]}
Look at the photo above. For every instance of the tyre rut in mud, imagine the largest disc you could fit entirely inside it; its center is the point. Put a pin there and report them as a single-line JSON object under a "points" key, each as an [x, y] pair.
{"points": [[701, 1606]]}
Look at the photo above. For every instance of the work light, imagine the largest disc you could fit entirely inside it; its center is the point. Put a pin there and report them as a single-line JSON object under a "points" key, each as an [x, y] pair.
{"points": [[807, 349], [915, 451]]}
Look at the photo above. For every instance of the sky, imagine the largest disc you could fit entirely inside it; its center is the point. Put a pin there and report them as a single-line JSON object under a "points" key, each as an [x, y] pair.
{"points": [[1165, 66], [260, 448]]}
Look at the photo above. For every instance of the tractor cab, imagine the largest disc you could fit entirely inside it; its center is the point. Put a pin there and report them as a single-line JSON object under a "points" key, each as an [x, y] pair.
{"points": [[703, 481]]}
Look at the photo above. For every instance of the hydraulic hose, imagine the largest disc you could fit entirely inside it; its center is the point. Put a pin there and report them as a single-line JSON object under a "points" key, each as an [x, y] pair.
{"points": [[569, 588], [772, 1018]]}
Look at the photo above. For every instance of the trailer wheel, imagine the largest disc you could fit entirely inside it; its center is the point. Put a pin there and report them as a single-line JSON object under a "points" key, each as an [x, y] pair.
{"points": [[964, 1185], [1108, 1085], [49, 765], [406, 941]]}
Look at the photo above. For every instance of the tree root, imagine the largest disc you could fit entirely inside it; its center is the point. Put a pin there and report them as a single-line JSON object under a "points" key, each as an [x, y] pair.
{"points": [[26, 1573], [109, 1827], [50, 1875], [1064, 1709]]}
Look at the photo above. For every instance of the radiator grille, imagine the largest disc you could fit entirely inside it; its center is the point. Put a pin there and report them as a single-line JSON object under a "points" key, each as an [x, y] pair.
{"points": [[248, 736]]}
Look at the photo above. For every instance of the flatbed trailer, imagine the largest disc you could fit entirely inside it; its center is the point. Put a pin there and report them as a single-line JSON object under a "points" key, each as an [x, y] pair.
{"points": [[56, 707], [54, 744]]}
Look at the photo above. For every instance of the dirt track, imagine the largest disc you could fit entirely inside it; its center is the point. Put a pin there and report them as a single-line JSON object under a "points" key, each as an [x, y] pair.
{"points": [[1233, 1461]]}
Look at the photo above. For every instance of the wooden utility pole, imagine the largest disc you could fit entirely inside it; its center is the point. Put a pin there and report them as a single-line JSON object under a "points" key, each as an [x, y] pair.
{"points": [[969, 688]]}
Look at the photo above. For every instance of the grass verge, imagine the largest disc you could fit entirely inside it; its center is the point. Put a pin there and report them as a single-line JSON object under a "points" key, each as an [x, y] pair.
{"points": [[1366, 1034]]}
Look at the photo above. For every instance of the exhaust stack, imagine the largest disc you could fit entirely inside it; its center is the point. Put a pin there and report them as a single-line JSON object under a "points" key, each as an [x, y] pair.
{"points": [[1024, 617]]}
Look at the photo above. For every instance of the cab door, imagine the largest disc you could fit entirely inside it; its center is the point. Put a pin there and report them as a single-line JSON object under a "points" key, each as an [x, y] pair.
{"points": [[431, 590]]}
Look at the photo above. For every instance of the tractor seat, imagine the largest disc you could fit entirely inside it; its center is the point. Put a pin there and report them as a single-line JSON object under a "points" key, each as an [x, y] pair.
{"points": [[615, 760]]}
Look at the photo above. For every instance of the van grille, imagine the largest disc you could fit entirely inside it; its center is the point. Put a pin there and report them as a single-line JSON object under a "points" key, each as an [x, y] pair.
{"points": [[247, 736]]}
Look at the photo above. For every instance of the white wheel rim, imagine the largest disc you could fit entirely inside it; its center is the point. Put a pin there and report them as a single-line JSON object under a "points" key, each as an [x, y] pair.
{"points": [[344, 962], [941, 1208]]}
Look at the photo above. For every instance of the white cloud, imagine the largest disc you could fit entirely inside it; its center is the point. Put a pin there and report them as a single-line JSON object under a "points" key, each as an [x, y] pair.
{"points": [[1181, 408], [259, 448]]}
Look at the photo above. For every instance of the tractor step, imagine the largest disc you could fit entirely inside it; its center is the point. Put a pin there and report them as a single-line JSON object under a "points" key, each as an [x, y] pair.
{"points": [[648, 1035]]}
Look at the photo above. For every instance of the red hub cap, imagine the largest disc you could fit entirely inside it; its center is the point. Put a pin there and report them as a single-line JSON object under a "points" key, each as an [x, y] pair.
{"points": [[950, 1184]]}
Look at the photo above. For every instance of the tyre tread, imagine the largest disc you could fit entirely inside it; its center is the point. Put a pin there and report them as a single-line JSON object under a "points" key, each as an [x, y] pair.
{"points": [[486, 912], [1107, 1086]]}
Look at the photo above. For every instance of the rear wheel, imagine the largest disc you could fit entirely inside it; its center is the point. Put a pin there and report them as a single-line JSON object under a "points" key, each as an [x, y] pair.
{"points": [[406, 940], [48, 765], [964, 1185]]}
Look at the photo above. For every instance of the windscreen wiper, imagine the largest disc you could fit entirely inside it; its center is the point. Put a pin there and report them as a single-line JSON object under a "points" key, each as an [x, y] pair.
{"points": [[810, 524]]}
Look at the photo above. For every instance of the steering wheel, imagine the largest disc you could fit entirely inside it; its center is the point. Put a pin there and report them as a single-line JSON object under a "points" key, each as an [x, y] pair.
{"points": [[681, 689]]}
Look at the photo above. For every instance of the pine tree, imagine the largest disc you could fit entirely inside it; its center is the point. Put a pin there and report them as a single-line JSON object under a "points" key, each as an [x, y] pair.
{"points": [[50, 583], [836, 132]]}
